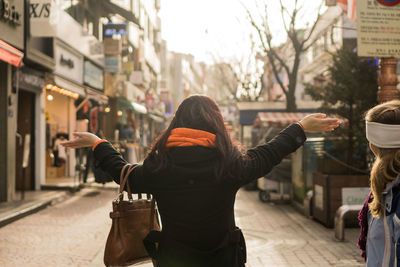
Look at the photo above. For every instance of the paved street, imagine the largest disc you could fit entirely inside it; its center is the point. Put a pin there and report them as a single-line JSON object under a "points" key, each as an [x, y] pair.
{"points": [[73, 233]]}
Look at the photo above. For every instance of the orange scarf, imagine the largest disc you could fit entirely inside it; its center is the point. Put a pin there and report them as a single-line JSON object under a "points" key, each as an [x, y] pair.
{"points": [[190, 137]]}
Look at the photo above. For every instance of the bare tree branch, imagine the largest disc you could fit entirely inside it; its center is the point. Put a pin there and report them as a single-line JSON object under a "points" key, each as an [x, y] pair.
{"points": [[312, 30]]}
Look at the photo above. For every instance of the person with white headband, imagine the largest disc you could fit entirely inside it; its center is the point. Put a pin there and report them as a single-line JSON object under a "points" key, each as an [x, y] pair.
{"points": [[380, 217]]}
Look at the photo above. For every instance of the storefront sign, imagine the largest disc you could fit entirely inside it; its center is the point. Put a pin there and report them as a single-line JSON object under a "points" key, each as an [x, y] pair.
{"points": [[31, 79], [319, 196], [43, 15], [93, 75], [354, 195], [69, 63], [12, 22], [112, 46], [113, 63], [9, 12], [111, 29], [378, 28]]}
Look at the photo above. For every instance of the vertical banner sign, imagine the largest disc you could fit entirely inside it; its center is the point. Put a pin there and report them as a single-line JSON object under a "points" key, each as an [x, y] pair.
{"points": [[378, 28]]}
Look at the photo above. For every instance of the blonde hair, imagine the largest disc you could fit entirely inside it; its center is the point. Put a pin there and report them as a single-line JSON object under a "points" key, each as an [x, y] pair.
{"points": [[386, 166]]}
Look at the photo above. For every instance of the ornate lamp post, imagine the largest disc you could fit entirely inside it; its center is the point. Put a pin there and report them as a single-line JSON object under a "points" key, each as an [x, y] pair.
{"points": [[387, 80]]}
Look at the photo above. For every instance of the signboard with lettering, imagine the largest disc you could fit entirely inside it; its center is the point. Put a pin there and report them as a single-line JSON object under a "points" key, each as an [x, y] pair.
{"points": [[69, 63], [378, 28], [113, 63], [112, 46], [43, 15], [12, 22], [111, 29], [354, 195], [93, 75], [319, 196]]}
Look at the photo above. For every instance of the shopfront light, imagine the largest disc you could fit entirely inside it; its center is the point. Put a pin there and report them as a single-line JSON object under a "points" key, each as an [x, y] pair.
{"points": [[50, 97], [119, 113], [62, 91], [107, 109]]}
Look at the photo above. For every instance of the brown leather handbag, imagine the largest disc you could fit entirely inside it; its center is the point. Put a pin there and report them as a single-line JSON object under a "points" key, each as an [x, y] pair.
{"points": [[132, 220]]}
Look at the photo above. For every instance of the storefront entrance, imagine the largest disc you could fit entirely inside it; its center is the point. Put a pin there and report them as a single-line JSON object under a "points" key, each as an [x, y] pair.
{"points": [[25, 178]]}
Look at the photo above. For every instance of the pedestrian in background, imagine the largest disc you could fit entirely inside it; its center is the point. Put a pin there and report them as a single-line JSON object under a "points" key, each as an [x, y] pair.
{"points": [[380, 216], [194, 171]]}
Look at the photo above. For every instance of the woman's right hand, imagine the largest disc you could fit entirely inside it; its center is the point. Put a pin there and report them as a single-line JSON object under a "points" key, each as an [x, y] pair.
{"points": [[82, 139], [318, 122]]}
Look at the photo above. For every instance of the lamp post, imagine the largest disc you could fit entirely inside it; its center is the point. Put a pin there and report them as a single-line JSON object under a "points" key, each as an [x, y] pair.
{"points": [[387, 80]]}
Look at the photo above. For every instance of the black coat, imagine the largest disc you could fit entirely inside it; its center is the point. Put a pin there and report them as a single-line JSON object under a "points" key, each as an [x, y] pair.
{"points": [[196, 209]]}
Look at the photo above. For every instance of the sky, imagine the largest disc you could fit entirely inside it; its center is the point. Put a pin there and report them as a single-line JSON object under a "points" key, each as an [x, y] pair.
{"points": [[216, 29]]}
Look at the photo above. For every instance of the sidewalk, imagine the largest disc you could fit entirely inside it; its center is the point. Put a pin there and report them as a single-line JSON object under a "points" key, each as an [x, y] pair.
{"points": [[50, 194], [33, 202]]}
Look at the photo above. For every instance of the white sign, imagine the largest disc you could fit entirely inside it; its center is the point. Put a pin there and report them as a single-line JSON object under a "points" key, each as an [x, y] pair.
{"points": [[319, 196], [25, 157], [44, 16], [93, 75], [68, 63], [354, 195], [378, 29]]}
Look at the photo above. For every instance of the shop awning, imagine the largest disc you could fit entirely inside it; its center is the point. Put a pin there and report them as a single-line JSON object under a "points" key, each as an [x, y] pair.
{"points": [[69, 85], [139, 108], [10, 54], [136, 107], [280, 119]]}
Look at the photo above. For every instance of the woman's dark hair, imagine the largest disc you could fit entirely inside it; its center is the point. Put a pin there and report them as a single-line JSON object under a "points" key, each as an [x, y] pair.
{"points": [[201, 113]]}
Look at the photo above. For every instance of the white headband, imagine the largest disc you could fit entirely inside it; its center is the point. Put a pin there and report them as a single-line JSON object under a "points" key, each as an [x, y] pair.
{"points": [[383, 135]]}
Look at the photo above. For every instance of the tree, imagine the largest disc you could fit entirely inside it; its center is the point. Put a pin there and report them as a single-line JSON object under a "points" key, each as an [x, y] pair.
{"points": [[287, 56], [349, 93], [239, 77]]}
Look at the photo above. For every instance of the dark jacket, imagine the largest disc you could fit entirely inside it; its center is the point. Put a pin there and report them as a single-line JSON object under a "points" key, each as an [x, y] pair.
{"points": [[196, 208]]}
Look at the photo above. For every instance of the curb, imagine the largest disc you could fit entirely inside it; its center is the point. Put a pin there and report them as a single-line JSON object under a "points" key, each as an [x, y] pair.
{"points": [[32, 207]]}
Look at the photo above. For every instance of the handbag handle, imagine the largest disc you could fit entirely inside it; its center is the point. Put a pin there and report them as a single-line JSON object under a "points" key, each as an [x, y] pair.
{"points": [[124, 181]]}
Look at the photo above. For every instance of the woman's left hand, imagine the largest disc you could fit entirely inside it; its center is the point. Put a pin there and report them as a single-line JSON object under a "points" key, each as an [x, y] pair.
{"points": [[82, 139], [319, 122]]}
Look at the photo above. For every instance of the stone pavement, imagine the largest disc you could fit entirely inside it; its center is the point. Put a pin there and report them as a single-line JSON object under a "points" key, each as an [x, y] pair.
{"points": [[277, 235], [73, 233]]}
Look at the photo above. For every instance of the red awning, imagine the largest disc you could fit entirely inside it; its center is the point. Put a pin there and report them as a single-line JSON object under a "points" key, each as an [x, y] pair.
{"points": [[280, 119], [10, 54]]}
